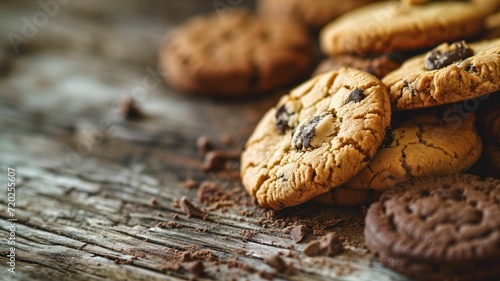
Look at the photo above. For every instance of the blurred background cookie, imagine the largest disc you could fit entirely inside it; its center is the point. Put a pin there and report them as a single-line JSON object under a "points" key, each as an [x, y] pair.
{"points": [[313, 14], [392, 26], [235, 54]]}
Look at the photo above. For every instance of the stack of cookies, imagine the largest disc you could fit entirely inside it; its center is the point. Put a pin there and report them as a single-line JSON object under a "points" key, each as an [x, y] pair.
{"points": [[373, 121]]}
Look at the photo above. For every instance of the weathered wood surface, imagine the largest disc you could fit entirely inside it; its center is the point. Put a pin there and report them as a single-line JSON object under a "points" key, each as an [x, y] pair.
{"points": [[96, 195]]}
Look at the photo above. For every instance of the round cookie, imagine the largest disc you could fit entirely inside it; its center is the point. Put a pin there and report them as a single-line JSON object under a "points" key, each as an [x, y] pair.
{"points": [[392, 26], [313, 14], [378, 66], [438, 228], [449, 73], [317, 137], [426, 144], [347, 197], [237, 54]]}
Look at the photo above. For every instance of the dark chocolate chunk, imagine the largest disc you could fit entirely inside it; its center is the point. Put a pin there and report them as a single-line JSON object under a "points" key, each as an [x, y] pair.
{"points": [[312, 249], [329, 245], [281, 118], [437, 59], [306, 133], [298, 233], [204, 144], [388, 138], [355, 96], [196, 267], [189, 209], [215, 160], [276, 262], [130, 110]]}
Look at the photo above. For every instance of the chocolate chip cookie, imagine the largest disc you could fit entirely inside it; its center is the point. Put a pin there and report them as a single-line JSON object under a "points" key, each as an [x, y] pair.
{"points": [[392, 26], [426, 144], [438, 228], [313, 14], [448, 73], [236, 54], [317, 137]]}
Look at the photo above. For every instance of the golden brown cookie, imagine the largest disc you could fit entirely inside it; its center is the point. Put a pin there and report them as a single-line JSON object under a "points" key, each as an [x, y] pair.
{"points": [[392, 26], [448, 73], [316, 138], [313, 14], [438, 228], [426, 144], [347, 197], [379, 66], [237, 54]]}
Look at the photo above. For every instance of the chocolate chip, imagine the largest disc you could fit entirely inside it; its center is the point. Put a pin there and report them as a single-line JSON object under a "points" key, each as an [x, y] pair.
{"points": [[437, 59], [130, 110], [204, 144], [356, 96], [329, 245], [306, 133], [281, 119], [215, 160], [189, 209], [388, 138], [196, 267], [312, 249], [298, 233], [276, 262]]}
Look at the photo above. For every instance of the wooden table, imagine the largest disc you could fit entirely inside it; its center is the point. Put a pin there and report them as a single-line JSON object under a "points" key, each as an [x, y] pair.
{"points": [[97, 196]]}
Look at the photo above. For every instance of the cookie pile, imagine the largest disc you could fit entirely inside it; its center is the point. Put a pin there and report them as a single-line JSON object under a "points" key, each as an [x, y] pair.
{"points": [[307, 147]]}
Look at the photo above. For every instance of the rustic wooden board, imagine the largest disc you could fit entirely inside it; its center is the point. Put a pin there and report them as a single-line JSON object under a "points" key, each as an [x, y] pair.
{"points": [[96, 195]]}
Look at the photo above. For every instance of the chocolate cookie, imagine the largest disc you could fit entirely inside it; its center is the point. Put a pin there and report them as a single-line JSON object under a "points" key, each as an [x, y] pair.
{"points": [[449, 73], [313, 14], [392, 26], [426, 144], [438, 228], [348, 197], [317, 137], [237, 54], [377, 65]]}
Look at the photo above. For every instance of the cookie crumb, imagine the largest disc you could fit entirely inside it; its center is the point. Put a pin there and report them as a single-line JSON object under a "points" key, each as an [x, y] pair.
{"points": [[196, 267], [130, 109], [298, 233], [209, 192], [153, 201], [204, 144], [189, 209], [276, 262], [190, 184], [328, 245]]}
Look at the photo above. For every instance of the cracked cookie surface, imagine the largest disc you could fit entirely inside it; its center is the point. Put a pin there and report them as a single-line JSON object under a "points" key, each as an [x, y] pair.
{"points": [[235, 54], [438, 228], [391, 26], [413, 85], [317, 137], [426, 144]]}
